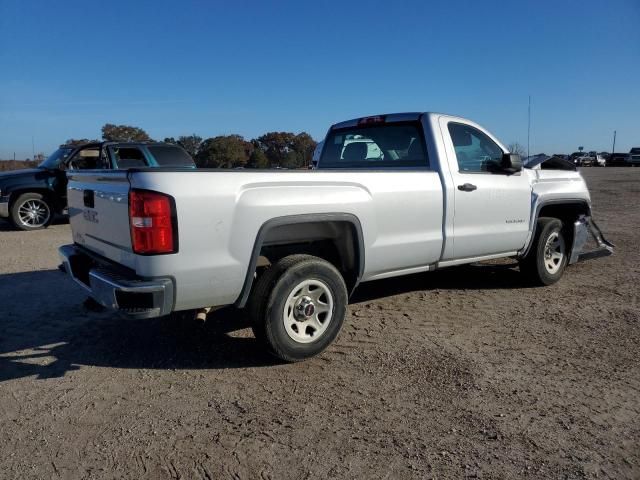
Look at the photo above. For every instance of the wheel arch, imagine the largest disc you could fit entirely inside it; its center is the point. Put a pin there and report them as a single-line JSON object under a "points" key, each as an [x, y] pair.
{"points": [[566, 210], [46, 193], [336, 237]]}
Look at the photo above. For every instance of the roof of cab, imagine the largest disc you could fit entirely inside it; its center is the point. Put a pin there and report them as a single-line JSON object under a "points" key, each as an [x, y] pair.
{"points": [[120, 144], [389, 117]]}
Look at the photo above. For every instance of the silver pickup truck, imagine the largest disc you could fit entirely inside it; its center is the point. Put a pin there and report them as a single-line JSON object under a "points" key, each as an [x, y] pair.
{"points": [[389, 195]]}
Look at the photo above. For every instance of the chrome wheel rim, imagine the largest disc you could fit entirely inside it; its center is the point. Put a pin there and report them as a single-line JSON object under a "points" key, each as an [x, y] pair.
{"points": [[34, 213], [308, 311], [554, 252]]}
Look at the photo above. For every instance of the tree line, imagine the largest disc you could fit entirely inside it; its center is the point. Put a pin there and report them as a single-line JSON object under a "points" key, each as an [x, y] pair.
{"points": [[271, 150]]}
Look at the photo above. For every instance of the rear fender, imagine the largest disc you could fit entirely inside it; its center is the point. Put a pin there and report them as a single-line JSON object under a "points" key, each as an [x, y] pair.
{"points": [[275, 223]]}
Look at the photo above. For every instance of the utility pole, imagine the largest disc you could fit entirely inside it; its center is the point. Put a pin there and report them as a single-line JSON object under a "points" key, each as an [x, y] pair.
{"points": [[613, 149], [33, 149], [529, 126]]}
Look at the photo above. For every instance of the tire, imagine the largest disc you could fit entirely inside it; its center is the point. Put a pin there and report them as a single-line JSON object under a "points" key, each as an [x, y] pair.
{"points": [[548, 256], [31, 211], [297, 307]]}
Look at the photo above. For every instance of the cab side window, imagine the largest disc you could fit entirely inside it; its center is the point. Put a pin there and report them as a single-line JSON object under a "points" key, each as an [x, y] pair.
{"points": [[128, 157], [86, 159], [475, 151]]}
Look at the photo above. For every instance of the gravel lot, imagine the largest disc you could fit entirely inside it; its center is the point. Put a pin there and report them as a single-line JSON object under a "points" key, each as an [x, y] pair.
{"points": [[458, 373]]}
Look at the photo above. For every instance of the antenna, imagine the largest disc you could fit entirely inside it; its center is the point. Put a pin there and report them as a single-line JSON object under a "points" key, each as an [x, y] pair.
{"points": [[529, 126]]}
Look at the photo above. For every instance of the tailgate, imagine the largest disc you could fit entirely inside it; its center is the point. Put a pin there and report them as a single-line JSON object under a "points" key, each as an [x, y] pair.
{"points": [[99, 213]]}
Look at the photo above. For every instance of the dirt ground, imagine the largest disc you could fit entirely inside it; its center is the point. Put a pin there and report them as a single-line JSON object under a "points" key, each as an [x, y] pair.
{"points": [[458, 373]]}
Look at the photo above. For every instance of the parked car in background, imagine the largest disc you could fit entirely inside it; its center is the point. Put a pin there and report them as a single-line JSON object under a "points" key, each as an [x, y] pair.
{"points": [[634, 156], [292, 245], [591, 159], [619, 160], [585, 161], [597, 159], [573, 158], [30, 198]]}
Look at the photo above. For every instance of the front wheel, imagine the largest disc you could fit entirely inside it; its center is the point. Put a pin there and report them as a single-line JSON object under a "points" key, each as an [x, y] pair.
{"points": [[31, 211], [548, 256], [297, 307]]}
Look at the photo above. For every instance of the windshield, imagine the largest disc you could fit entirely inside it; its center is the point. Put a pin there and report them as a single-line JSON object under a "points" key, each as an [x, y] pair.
{"points": [[386, 145], [56, 157]]}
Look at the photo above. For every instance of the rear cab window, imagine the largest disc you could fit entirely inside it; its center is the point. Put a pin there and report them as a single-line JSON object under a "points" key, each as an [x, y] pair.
{"points": [[170, 156], [128, 157], [376, 145]]}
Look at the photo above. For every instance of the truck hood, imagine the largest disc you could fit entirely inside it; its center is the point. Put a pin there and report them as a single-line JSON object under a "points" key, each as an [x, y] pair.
{"points": [[534, 160], [25, 172], [555, 163]]}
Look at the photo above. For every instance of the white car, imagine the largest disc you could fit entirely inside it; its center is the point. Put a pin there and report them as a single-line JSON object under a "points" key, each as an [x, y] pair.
{"points": [[291, 245]]}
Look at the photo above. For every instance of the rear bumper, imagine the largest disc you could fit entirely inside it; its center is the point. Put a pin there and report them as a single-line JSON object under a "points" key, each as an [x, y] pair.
{"points": [[4, 207], [583, 229], [116, 289]]}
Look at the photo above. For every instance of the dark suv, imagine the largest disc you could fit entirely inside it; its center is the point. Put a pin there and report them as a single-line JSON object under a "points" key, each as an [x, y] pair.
{"points": [[30, 198]]}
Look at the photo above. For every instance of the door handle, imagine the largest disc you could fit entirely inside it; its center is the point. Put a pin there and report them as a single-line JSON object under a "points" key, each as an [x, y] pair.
{"points": [[88, 197], [467, 187]]}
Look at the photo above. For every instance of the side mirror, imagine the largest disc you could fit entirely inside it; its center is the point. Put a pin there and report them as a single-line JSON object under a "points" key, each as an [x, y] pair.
{"points": [[511, 163]]}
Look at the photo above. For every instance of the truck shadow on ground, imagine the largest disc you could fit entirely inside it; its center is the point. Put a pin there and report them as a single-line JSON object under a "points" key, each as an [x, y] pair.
{"points": [[5, 226], [477, 276], [46, 332]]}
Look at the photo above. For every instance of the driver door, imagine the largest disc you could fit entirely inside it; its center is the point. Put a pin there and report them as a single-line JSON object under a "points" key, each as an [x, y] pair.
{"points": [[84, 159], [491, 207]]}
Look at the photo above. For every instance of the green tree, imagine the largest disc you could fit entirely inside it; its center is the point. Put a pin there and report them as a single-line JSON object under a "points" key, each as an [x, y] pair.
{"points": [[276, 146], [258, 159], [304, 146], [291, 160], [224, 151], [169, 140], [287, 149], [190, 143], [123, 133]]}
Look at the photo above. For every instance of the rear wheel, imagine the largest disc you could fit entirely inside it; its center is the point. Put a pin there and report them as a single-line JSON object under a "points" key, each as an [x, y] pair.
{"points": [[31, 211], [297, 307], [548, 256]]}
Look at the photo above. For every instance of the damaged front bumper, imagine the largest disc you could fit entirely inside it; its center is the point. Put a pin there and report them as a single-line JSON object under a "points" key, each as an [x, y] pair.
{"points": [[584, 229]]}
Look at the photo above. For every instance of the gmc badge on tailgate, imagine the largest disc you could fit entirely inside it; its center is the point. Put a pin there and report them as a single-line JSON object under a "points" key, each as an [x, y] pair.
{"points": [[90, 216]]}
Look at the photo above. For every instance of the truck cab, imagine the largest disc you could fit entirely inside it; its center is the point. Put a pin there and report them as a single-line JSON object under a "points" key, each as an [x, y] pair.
{"points": [[30, 198]]}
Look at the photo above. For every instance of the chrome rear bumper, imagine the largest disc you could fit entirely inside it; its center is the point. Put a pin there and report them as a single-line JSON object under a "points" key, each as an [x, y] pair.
{"points": [[584, 228], [133, 296]]}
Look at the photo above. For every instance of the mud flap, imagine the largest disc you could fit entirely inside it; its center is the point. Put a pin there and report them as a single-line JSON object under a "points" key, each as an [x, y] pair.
{"points": [[584, 228]]}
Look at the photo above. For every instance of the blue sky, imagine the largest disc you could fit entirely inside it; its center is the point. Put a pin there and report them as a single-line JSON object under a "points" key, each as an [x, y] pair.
{"points": [[210, 68]]}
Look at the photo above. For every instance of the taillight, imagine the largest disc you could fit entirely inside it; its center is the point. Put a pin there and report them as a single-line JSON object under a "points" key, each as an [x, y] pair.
{"points": [[152, 222]]}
